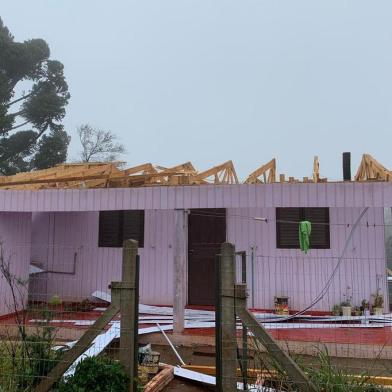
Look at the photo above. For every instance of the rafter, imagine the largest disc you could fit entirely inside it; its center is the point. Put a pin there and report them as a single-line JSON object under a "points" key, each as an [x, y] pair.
{"points": [[264, 174], [372, 170], [145, 168], [221, 174]]}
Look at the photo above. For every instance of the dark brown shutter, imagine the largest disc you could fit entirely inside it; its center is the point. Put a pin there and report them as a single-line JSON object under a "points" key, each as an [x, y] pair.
{"points": [[319, 218], [133, 226], [109, 229], [287, 220]]}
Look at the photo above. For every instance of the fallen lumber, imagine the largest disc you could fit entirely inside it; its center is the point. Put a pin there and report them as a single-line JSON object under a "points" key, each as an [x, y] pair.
{"points": [[161, 380]]}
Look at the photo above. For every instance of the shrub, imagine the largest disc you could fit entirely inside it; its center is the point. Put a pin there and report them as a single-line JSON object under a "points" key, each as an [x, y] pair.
{"points": [[24, 362], [328, 378], [98, 374]]}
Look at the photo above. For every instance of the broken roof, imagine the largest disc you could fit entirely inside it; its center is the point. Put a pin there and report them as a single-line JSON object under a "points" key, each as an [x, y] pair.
{"points": [[113, 175]]}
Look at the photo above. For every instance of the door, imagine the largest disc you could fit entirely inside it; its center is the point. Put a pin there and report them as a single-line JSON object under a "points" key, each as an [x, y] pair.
{"points": [[206, 233]]}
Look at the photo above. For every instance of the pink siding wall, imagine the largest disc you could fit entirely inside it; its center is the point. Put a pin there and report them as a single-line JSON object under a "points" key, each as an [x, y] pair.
{"points": [[58, 236], [339, 194], [302, 277], [15, 231]]}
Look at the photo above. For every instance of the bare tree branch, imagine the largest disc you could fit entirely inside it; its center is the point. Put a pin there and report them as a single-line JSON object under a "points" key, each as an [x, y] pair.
{"points": [[98, 145]]}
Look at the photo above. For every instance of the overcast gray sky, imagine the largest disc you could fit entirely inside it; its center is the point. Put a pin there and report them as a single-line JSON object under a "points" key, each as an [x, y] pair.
{"points": [[212, 80]]}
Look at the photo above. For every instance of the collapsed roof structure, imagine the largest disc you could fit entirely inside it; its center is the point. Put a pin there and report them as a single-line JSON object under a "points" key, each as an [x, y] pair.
{"points": [[113, 175]]}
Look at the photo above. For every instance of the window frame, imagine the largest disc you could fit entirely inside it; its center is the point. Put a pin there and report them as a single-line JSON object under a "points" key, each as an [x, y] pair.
{"points": [[303, 216]]}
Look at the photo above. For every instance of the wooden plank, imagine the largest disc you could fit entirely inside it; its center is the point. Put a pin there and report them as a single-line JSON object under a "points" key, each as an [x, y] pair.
{"points": [[316, 169]]}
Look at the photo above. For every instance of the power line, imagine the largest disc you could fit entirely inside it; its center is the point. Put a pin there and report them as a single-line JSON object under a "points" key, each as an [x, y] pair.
{"points": [[268, 220]]}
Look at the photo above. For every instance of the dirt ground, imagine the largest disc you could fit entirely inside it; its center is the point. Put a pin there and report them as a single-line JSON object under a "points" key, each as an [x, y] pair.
{"points": [[184, 386], [197, 355]]}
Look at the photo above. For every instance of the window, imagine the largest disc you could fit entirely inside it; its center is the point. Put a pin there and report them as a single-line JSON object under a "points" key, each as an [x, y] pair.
{"points": [[117, 226], [287, 226]]}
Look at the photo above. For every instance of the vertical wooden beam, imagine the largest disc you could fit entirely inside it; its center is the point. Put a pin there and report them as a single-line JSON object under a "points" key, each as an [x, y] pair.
{"points": [[180, 268], [228, 320], [129, 311]]}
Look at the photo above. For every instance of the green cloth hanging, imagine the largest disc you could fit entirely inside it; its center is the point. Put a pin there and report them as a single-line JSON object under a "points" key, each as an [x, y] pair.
{"points": [[305, 228]]}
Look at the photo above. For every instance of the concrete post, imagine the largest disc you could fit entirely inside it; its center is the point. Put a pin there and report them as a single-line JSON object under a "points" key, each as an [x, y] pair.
{"points": [[179, 269], [129, 311], [228, 320]]}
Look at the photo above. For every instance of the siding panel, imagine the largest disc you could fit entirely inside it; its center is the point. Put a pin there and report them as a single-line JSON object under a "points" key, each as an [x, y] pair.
{"points": [[57, 237], [15, 238], [205, 196], [301, 277]]}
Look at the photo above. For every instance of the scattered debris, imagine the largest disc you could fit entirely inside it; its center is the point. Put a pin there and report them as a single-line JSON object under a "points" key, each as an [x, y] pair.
{"points": [[171, 345], [148, 362], [103, 340], [211, 380], [161, 380]]}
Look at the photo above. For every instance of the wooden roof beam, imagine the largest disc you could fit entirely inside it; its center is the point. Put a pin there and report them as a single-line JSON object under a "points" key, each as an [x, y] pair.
{"points": [[267, 171], [223, 174], [370, 169], [144, 169]]}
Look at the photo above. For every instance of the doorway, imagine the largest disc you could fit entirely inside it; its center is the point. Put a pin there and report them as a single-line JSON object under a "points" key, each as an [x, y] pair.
{"points": [[206, 233]]}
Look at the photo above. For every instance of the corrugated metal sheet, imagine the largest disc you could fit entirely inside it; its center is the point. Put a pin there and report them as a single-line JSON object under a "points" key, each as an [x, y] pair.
{"points": [[340, 194], [15, 238]]}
